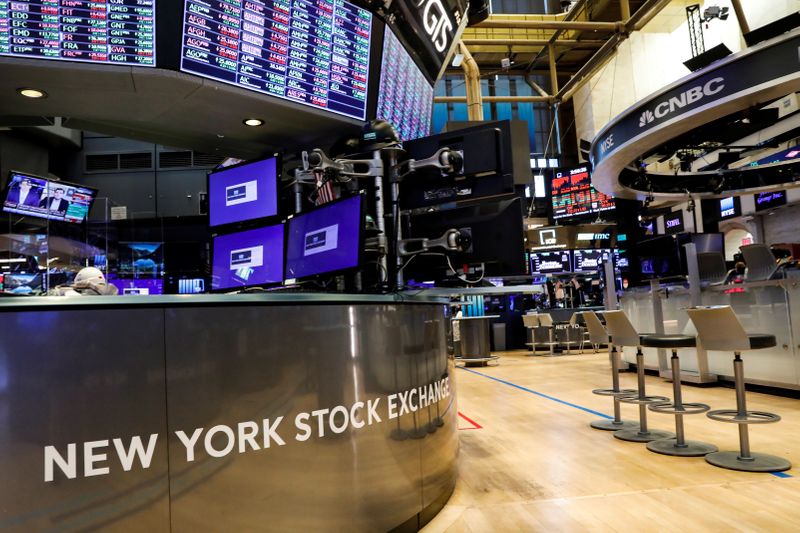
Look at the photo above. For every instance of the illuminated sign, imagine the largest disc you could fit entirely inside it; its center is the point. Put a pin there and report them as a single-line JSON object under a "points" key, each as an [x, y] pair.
{"points": [[313, 53], [573, 195], [673, 223], [98, 31], [767, 200]]}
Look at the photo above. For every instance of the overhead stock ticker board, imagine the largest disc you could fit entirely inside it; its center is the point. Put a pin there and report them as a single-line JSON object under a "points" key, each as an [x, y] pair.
{"points": [[313, 52], [98, 31]]}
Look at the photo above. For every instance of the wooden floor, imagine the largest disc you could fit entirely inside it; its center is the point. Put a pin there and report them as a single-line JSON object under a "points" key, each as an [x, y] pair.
{"points": [[536, 465]]}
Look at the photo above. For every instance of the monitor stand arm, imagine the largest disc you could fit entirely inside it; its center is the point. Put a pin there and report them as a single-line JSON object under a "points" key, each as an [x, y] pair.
{"points": [[453, 240]]}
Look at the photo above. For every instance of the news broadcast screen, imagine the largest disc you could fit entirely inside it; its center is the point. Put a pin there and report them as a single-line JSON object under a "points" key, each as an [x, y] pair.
{"points": [[326, 239], [314, 53], [243, 192], [43, 198], [115, 32], [248, 258], [573, 194]]}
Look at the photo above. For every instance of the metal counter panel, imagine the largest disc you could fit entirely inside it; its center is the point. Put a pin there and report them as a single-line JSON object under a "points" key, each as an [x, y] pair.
{"points": [[73, 377], [232, 365]]}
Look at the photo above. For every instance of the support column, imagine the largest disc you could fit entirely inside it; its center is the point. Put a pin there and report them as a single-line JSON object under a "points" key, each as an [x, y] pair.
{"points": [[551, 56], [472, 78], [737, 8], [625, 10]]}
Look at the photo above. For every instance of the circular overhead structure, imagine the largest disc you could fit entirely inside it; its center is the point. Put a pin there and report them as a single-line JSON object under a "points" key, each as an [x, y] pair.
{"points": [[713, 98]]}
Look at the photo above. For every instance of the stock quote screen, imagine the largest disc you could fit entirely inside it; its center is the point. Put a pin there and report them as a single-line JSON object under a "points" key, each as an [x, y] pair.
{"points": [[573, 194], [405, 97], [312, 52], [100, 31]]}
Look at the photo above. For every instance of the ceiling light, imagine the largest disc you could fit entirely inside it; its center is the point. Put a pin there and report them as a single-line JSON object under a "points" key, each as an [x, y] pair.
{"points": [[253, 122], [32, 93]]}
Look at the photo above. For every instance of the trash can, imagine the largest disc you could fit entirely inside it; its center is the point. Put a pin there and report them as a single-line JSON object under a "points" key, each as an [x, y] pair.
{"points": [[499, 337]]}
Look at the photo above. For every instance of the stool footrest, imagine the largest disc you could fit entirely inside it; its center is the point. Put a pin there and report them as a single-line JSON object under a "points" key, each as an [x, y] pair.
{"points": [[751, 417], [612, 392], [644, 400], [685, 409]]}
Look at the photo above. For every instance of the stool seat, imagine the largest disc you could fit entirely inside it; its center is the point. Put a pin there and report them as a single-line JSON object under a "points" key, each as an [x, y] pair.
{"points": [[660, 340], [759, 341]]}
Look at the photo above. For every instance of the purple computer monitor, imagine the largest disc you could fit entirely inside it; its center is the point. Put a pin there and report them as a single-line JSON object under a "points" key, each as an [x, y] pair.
{"points": [[325, 240], [247, 191], [136, 286], [247, 258]]}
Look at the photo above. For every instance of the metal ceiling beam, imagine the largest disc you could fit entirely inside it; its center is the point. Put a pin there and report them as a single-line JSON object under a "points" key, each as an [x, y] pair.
{"points": [[550, 25], [571, 43], [494, 99]]}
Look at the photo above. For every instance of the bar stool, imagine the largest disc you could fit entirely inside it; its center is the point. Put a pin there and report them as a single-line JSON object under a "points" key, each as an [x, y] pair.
{"points": [[624, 334], [598, 336], [546, 323], [679, 445], [531, 322], [718, 328]]}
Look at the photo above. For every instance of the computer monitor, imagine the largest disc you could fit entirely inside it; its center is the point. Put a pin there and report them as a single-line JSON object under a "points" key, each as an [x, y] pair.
{"points": [[327, 239], [248, 258], [244, 192], [590, 259], [40, 197], [556, 262], [496, 236]]}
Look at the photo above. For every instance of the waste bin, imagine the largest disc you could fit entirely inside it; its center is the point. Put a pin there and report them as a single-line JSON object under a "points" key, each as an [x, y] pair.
{"points": [[499, 337]]}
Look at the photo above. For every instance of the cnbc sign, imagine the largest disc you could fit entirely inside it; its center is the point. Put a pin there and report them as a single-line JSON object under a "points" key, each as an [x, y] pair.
{"points": [[690, 96]]}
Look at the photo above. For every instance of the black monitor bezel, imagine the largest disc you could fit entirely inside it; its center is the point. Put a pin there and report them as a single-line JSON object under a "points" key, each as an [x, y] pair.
{"points": [[361, 239], [7, 188], [212, 290], [251, 223]]}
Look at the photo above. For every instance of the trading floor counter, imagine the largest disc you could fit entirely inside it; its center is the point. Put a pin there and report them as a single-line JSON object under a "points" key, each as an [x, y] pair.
{"points": [[225, 413], [763, 307]]}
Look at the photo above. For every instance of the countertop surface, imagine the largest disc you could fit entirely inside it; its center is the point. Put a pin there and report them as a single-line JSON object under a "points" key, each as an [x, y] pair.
{"points": [[16, 303]]}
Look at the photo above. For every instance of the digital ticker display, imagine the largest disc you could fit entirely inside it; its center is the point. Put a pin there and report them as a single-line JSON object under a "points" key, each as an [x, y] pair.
{"points": [[405, 97], [573, 194], [311, 52], [98, 31]]}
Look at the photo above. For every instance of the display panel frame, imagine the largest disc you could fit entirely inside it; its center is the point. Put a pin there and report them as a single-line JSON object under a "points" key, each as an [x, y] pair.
{"points": [[231, 226], [7, 188], [361, 239], [368, 88], [154, 34]]}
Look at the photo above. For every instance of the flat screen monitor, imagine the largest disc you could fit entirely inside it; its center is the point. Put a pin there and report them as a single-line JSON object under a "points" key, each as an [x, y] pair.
{"points": [[140, 260], [116, 32], [326, 239], [35, 196], [573, 194], [551, 262], [312, 53], [659, 257], [621, 262], [590, 260], [136, 286], [243, 192], [248, 258], [768, 200], [405, 97]]}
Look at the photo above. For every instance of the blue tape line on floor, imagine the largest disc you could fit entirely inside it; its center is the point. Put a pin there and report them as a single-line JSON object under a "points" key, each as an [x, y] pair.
{"points": [[520, 387], [781, 474]]}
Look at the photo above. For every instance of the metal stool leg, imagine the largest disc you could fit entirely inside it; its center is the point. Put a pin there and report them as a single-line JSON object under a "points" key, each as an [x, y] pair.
{"points": [[617, 423], [744, 459], [679, 445], [642, 433]]}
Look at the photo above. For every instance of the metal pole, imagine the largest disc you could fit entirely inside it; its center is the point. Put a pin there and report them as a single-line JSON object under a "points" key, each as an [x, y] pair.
{"points": [[741, 406], [549, 25], [381, 223], [737, 8], [624, 10], [496, 99], [677, 400], [640, 381], [611, 285], [693, 273], [551, 59], [472, 77]]}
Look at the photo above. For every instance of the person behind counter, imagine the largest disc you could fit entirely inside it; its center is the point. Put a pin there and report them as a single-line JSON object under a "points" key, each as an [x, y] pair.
{"points": [[90, 281], [736, 274]]}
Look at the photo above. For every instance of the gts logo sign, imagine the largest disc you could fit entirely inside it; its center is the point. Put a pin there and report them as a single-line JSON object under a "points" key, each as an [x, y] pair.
{"points": [[695, 94]]}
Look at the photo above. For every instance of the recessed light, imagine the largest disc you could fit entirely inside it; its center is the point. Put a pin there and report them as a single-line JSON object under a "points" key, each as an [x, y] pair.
{"points": [[253, 122], [29, 92]]}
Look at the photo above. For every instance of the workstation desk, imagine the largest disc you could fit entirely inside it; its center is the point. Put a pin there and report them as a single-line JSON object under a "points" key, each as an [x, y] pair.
{"points": [[305, 412]]}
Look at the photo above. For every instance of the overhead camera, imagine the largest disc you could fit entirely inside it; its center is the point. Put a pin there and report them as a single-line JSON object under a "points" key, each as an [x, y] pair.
{"points": [[715, 12]]}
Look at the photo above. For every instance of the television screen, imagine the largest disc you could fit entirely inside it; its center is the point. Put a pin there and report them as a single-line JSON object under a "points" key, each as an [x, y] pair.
{"points": [[767, 200], [551, 262], [316, 54], [621, 263], [326, 239], [43, 198], [247, 258], [590, 260], [405, 97], [136, 286], [119, 32], [141, 260], [573, 194], [247, 191]]}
